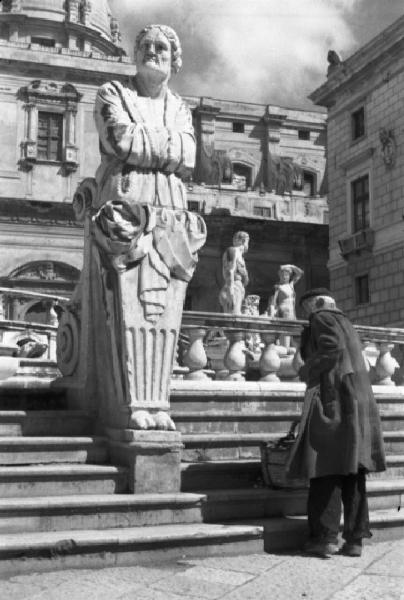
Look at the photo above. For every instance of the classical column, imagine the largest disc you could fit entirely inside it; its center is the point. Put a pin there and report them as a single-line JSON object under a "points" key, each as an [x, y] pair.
{"points": [[73, 11], [2, 311], [273, 122], [30, 144], [71, 150], [86, 12], [206, 114]]}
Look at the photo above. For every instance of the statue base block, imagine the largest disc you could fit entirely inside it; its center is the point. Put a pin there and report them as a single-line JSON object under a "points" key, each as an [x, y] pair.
{"points": [[153, 459]]}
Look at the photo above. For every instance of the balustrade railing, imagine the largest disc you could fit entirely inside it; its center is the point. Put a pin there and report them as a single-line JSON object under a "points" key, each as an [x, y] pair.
{"points": [[28, 338], [236, 348], [220, 346]]}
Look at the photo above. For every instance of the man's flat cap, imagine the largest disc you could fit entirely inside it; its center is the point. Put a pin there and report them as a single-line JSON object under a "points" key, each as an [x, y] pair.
{"points": [[315, 292]]}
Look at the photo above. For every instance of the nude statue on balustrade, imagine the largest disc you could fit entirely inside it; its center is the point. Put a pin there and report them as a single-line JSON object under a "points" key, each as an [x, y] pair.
{"points": [[235, 275], [282, 303]]}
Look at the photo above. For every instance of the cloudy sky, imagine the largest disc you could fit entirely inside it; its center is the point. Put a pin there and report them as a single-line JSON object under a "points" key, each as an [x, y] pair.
{"points": [[265, 51]]}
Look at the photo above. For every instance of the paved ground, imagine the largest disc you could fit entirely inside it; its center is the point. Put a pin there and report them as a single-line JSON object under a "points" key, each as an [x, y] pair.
{"points": [[378, 574]]}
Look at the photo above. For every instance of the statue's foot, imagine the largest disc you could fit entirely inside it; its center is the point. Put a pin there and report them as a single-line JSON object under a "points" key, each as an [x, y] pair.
{"points": [[164, 421], [142, 419]]}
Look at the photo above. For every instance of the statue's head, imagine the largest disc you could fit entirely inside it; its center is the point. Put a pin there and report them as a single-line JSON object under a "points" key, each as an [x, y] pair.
{"points": [[285, 273], [158, 49], [241, 238]]}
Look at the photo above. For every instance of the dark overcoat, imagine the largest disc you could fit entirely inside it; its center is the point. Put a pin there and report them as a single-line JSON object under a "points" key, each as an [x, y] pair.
{"points": [[340, 431]]}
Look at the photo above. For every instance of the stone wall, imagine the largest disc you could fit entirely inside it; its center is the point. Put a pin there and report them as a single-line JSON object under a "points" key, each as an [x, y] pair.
{"points": [[372, 78]]}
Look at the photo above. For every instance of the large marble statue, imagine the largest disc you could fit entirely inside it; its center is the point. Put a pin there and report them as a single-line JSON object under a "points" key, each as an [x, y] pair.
{"points": [[282, 303], [234, 274], [144, 241]]}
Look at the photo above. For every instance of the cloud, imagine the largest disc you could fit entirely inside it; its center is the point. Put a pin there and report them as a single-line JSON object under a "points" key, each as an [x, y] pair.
{"points": [[265, 51]]}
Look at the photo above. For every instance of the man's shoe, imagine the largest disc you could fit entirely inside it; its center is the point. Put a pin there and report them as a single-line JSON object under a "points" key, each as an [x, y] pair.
{"points": [[321, 549], [354, 550]]}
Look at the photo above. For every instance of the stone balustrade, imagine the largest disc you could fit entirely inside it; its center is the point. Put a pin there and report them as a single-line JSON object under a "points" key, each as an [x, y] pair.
{"points": [[226, 353], [217, 346], [13, 331]]}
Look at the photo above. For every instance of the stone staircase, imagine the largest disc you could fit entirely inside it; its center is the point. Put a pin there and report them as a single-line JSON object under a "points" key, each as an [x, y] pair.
{"points": [[223, 425], [62, 504]]}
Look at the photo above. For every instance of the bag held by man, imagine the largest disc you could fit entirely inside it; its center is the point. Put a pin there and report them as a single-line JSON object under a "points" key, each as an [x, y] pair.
{"points": [[274, 457]]}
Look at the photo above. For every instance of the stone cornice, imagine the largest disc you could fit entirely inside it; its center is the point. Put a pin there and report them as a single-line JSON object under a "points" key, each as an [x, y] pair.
{"points": [[387, 43], [13, 56], [25, 212], [357, 159], [248, 111]]}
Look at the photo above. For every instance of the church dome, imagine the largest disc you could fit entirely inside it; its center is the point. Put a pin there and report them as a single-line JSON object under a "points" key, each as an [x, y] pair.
{"points": [[94, 14]]}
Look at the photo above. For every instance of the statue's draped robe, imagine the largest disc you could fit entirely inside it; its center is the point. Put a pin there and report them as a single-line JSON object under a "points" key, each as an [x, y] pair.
{"points": [[144, 244]]}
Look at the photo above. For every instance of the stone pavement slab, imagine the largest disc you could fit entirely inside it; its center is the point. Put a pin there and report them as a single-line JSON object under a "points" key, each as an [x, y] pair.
{"points": [[377, 575], [373, 587]]}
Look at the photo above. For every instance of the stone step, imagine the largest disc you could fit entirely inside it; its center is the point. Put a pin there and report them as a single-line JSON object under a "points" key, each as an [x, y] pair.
{"points": [[258, 396], [61, 480], [247, 473], [241, 421], [227, 446], [38, 396], [395, 468], [55, 513], [290, 532], [261, 502], [25, 552], [249, 420], [219, 474], [252, 503], [44, 450], [224, 446], [235, 396], [393, 442], [44, 422]]}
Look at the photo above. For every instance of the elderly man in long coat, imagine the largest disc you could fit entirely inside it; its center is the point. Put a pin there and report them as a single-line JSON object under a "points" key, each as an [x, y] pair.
{"points": [[340, 435]]}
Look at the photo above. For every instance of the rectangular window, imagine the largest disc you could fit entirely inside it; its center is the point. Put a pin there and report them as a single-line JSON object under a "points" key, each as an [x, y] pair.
{"points": [[362, 294], [238, 127], [193, 205], [50, 136], [303, 134], [358, 123], [360, 203], [262, 211], [46, 42]]}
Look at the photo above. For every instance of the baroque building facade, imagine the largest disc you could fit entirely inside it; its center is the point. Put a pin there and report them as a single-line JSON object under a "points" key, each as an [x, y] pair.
{"points": [[364, 95], [257, 165]]}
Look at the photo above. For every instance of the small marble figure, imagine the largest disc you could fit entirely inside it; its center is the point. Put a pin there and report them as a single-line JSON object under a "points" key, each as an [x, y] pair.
{"points": [[282, 303], [235, 275]]}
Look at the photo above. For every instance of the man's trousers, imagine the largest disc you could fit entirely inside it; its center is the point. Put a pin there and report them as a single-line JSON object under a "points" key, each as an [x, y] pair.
{"points": [[327, 495]]}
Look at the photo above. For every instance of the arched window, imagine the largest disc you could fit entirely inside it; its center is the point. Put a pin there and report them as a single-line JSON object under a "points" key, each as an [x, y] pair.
{"points": [[242, 176], [309, 183]]}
